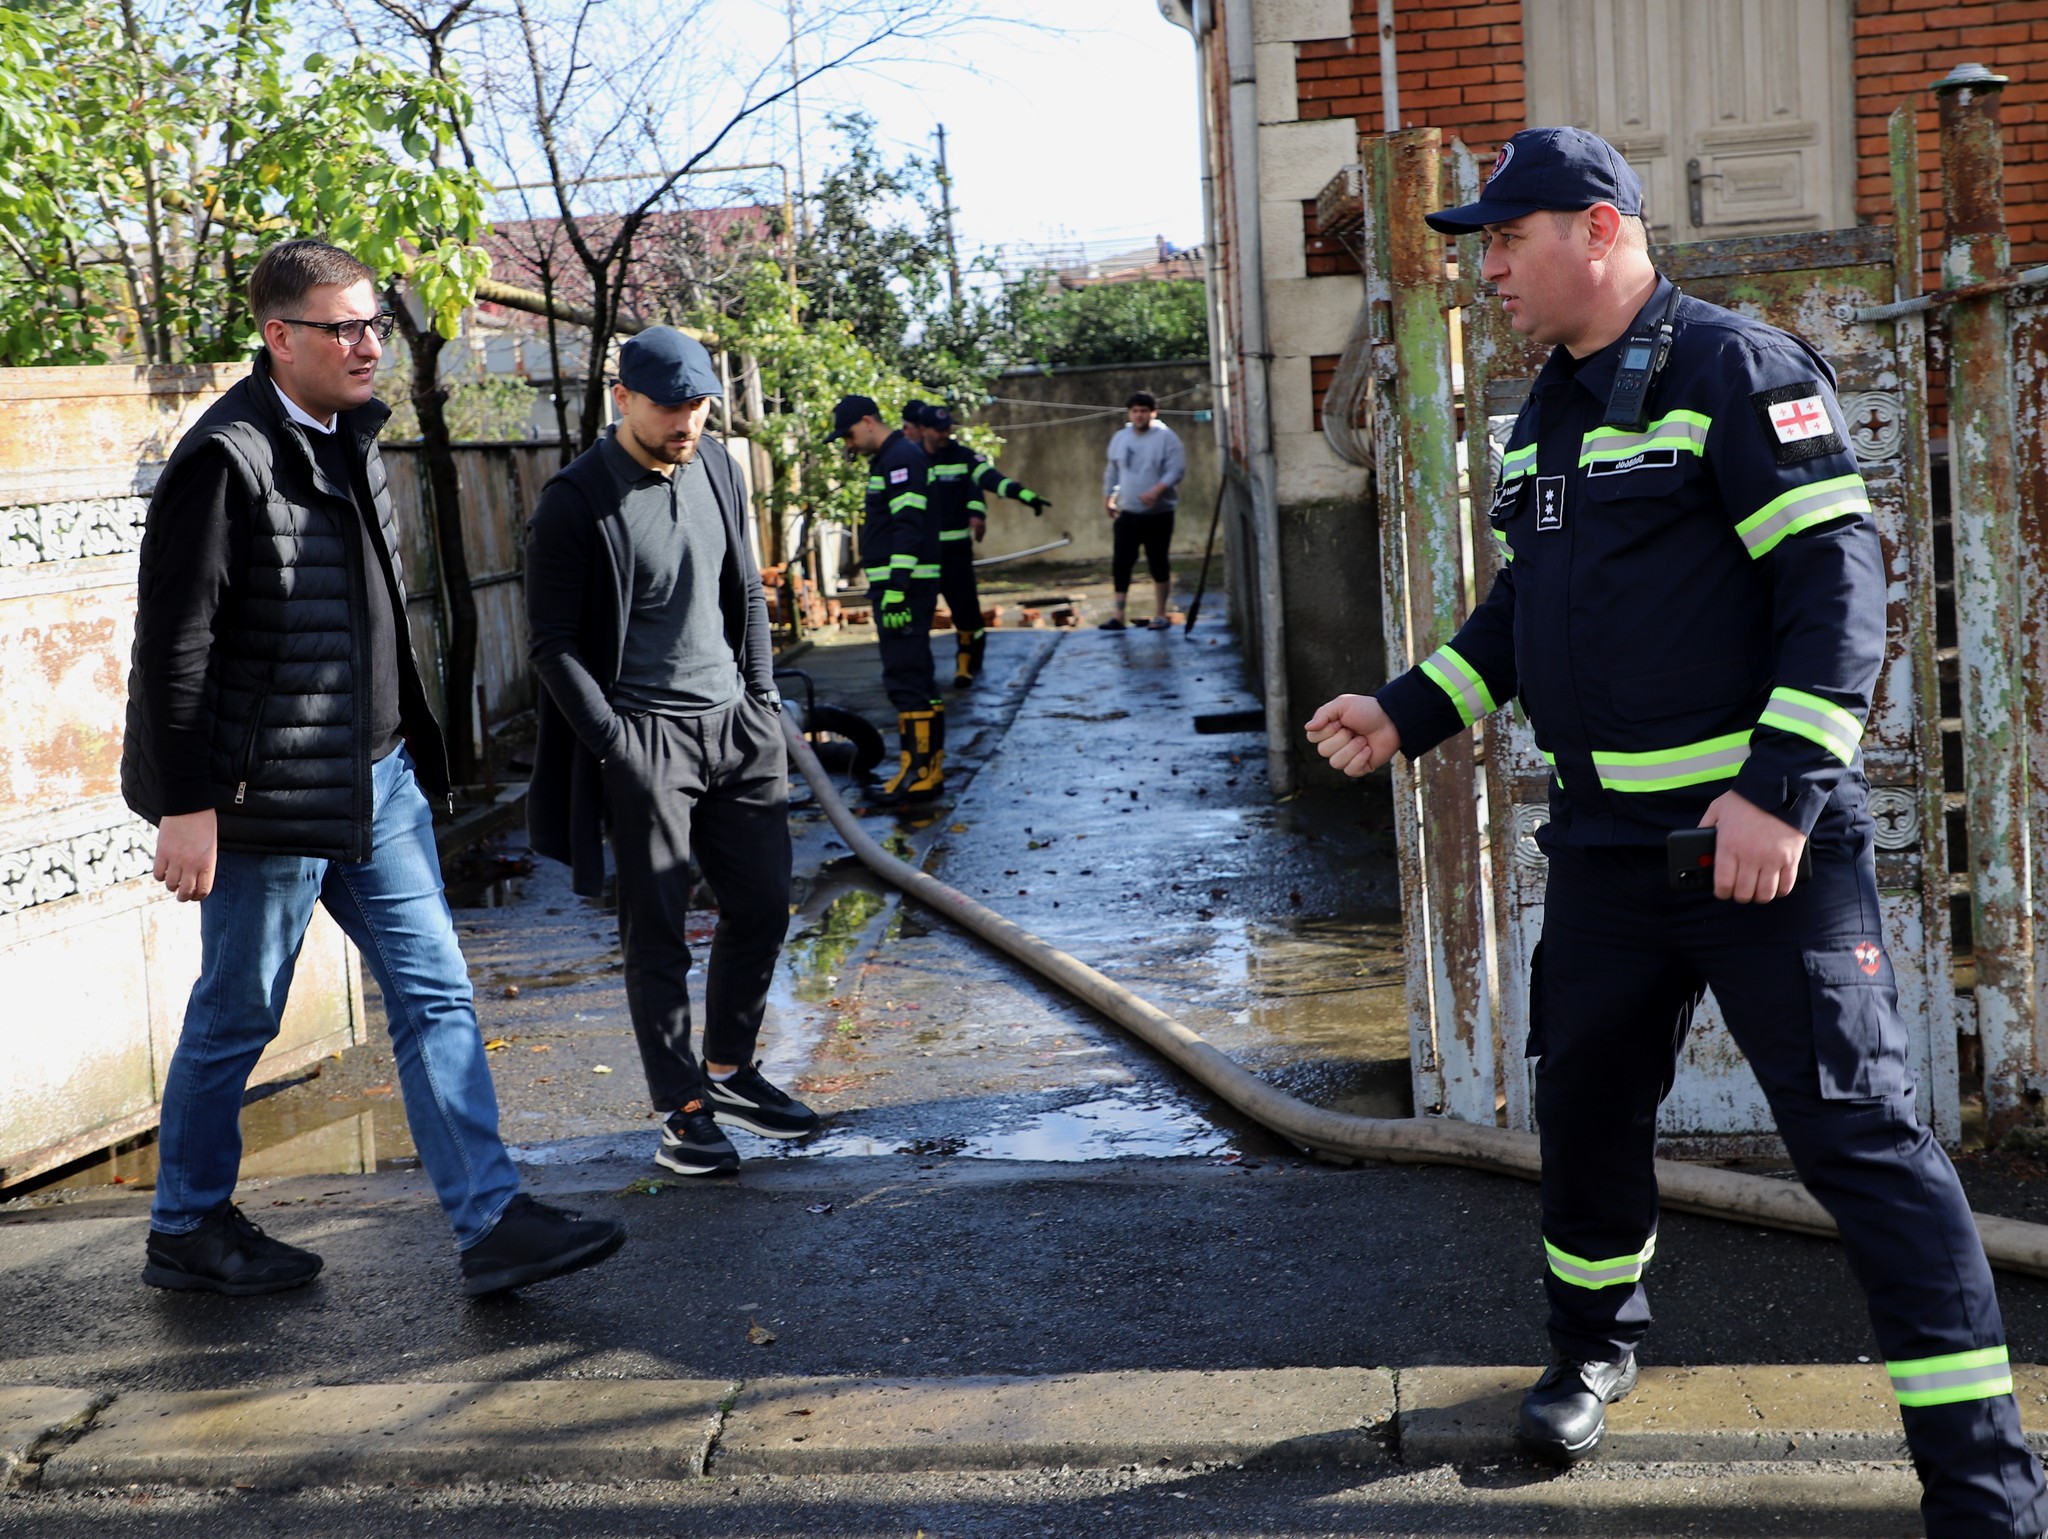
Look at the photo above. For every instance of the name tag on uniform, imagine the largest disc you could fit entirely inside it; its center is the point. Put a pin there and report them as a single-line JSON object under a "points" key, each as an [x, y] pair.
{"points": [[1549, 503], [899, 476], [1647, 459]]}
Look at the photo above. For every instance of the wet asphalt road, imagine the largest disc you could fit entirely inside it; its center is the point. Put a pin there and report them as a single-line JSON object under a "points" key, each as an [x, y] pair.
{"points": [[1005, 1184], [1831, 1502]]}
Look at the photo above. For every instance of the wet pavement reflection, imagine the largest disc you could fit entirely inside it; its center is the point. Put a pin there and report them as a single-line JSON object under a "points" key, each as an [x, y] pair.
{"points": [[1086, 807]]}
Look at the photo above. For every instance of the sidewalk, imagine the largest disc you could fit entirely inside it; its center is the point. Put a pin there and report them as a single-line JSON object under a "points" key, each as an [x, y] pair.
{"points": [[666, 1429]]}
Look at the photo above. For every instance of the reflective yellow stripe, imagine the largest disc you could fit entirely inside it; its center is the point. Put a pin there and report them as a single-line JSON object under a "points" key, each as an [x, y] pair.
{"points": [[955, 534], [899, 562], [874, 483], [877, 574], [1817, 502], [922, 570], [1682, 430], [904, 500], [1518, 462], [1581, 1273], [1667, 769], [1460, 680], [948, 472], [976, 505], [1817, 720], [1977, 1375], [1507, 551]]}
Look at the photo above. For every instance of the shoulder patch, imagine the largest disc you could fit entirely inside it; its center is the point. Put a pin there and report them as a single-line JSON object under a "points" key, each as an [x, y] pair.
{"points": [[1795, 418], [899, 475]]}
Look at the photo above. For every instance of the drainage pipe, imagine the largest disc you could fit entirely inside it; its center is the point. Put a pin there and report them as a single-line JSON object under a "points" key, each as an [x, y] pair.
{"points": [[1705, 1189]]}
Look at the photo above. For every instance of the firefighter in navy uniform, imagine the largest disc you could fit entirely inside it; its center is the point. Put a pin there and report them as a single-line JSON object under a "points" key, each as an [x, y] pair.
{"points": [[898, 545], [1691, 607], [962, 478]]}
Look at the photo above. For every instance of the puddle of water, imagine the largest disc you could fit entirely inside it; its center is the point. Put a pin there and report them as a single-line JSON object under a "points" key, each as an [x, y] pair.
{"points": [[814, 959], [1119, 1126]]}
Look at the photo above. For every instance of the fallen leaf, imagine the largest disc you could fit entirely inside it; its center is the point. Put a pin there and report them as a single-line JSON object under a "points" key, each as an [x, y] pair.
{"points": [[957, 828], [496, 1045], [803, 1412], [541, 1047], [759, 1335], [511, 991], [600, 1068], [378, 1090]]}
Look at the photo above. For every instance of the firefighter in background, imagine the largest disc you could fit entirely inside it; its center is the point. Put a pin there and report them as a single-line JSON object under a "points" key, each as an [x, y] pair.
{"points": [[1691, 607], [961, 480], [897, 546]]}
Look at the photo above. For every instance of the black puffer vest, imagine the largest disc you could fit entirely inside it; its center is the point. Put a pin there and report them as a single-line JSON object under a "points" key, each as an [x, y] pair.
{"points": [[290, 751]]}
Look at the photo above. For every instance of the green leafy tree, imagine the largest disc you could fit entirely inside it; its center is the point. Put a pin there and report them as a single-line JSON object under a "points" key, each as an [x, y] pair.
{"points": [[1138, 322], [154, 154]]}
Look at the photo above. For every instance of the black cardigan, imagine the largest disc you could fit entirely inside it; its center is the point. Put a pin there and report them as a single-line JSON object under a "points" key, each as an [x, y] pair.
{"points": [[579, 590]]}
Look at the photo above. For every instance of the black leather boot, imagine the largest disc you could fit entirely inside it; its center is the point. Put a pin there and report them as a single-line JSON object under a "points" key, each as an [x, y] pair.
{"points": [[1565, 1412]]}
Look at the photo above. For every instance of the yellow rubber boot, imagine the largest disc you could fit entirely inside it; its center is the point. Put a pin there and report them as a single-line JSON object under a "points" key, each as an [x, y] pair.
{"points": [[914, 733]]}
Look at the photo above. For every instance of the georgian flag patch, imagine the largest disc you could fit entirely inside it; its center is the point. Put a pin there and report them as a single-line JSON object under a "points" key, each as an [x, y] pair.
{"points": [[1798, 421], [1868, 957], [899, 475]]}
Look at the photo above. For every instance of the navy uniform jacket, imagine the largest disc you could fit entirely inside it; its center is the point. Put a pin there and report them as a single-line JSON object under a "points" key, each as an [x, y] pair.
{"points": [[1690, 609], [960, 478], [898, 538]]}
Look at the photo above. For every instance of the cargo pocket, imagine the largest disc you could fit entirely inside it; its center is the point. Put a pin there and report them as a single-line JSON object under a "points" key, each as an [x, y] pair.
{"points": [[1859, 1042], [1533, 1046]]}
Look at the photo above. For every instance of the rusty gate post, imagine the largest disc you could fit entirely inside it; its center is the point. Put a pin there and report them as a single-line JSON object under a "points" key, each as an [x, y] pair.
{"points": [[1448, 855], [1984, 497]]}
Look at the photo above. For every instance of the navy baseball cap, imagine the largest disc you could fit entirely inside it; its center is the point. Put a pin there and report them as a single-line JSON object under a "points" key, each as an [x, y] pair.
{"points": [[937, 417], [667, 367], [1546, 168], [851, 409], [914, 412]]}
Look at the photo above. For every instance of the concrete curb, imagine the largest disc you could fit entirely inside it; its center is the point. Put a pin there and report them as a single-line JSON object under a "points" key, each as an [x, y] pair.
{"points": [[584, 1430]]}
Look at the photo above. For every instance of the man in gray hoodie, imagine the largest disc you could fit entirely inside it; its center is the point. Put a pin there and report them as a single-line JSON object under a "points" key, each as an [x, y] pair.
{"points": [[1140, 488]]}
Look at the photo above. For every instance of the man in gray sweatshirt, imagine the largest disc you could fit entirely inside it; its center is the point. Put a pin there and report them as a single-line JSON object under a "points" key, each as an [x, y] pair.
{"points": [[1140, 488]]}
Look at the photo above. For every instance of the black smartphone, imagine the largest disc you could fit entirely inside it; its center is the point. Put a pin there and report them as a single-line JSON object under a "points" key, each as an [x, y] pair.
{"points": [[1689, 859]]}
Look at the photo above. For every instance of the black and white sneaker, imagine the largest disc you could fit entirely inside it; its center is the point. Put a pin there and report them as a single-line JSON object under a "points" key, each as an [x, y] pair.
{"points": [[691, 1144], [748, 1101]]}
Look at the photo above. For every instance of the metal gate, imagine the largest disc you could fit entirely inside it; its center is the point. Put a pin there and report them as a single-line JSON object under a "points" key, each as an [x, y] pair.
{"points": [[1450, 376]]}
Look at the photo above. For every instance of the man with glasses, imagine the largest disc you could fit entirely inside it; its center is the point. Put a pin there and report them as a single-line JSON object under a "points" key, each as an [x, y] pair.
{"points": [[279, 737]]}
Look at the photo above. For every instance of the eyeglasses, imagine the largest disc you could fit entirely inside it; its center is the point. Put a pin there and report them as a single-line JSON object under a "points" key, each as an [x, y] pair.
{"points": [[350, 333]]}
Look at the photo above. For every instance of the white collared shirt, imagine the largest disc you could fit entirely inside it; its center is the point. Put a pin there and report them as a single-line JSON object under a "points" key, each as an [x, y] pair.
{"points": [[299, 414]]}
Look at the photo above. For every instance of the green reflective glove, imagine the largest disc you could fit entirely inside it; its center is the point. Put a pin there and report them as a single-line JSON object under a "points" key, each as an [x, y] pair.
{"points": [[1034, 501], [893, 614]]}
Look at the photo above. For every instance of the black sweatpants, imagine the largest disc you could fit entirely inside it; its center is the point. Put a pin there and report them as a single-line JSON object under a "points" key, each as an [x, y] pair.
{"points": [[715, 787], [908, 676], [1808, 994], [956, 582], [1130, 533]]}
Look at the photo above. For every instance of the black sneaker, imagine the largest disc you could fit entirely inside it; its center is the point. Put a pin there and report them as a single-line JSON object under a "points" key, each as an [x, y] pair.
{"points": [[531, 1242], [748, 1101], [691, 1144], [227, 1254]]}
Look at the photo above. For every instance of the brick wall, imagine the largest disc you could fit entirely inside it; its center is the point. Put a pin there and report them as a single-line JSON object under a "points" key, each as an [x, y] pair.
{"points": [[1901, 47], [1460, 70]]}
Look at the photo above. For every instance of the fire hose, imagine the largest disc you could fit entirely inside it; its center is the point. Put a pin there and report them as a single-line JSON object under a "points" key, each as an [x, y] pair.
{"points": [[1709, 1190]]}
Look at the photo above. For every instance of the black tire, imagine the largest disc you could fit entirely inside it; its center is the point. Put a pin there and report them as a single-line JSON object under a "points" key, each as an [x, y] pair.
{"points": [[831, 721]]}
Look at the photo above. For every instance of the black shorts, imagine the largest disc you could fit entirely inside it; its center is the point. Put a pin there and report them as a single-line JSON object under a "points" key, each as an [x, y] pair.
{"points": [[1133, 532]]}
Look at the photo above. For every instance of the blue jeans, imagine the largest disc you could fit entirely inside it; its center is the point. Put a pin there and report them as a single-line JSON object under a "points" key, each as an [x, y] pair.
{"points": [[393, 907]]}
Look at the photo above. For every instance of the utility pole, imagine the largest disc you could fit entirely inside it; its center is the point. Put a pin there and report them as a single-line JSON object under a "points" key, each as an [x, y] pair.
{"points": [[796, 102], [946, 219]]}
